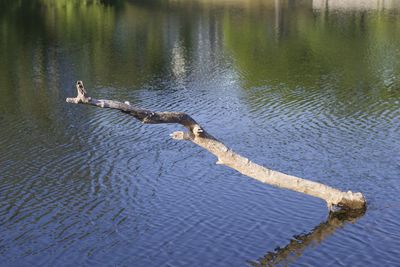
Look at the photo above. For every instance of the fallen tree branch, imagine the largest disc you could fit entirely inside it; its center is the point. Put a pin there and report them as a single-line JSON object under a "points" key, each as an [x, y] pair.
{"points": [[335, 199]]}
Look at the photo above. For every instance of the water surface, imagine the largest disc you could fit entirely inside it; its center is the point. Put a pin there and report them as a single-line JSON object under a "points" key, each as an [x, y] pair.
{"points": [[309, 88]]}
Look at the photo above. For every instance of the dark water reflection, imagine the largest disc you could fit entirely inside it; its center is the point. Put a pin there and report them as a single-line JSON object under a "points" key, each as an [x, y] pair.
{"points": [[288, 254], [310, 88]]}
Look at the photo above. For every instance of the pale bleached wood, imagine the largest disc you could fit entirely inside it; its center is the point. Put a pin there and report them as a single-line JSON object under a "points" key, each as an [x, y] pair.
{"points": [[335, 198]]}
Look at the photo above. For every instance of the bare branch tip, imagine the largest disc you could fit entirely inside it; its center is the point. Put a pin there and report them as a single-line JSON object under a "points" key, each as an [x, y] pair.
{"points": [[180, 136], [71, 100], [177, 135]]}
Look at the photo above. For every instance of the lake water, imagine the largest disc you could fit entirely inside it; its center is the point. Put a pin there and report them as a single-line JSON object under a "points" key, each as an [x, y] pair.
{"points": [[309, 88]]}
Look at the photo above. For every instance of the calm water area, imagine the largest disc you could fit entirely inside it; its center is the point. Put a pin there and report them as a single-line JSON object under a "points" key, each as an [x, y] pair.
{"points": [[309, 87]]}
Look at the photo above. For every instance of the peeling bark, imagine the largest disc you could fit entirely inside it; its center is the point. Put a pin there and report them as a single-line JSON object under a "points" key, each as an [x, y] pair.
{"points": [[335, 198]]}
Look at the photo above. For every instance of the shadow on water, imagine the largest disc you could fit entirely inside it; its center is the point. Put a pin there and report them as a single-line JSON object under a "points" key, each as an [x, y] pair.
{"points": [[283, 256]]}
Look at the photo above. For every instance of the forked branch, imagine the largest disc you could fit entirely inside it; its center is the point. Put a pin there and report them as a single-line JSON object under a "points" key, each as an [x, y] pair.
{"points": [[334, 198]]}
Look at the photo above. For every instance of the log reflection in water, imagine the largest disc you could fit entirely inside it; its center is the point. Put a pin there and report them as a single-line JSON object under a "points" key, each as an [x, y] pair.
{"points": [[283, 256]]}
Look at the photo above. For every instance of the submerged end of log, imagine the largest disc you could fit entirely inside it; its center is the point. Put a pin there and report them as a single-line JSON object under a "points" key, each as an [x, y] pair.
{"points": [[349, 201], [336, 199]]}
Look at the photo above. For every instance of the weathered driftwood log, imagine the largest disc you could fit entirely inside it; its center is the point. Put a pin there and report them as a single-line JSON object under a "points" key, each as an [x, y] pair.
{"points": [[335, 198]]}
